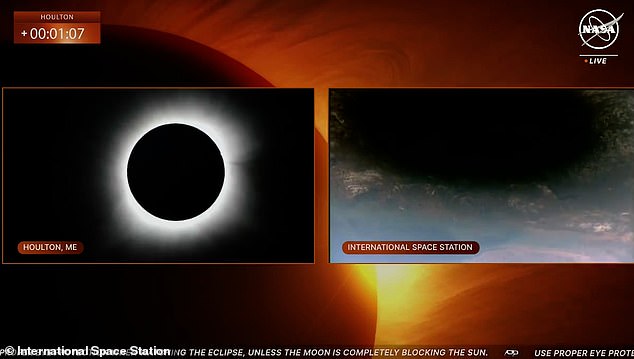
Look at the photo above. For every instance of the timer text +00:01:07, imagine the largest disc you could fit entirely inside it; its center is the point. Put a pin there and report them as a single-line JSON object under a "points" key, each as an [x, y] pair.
{"points": [[73, 33]]}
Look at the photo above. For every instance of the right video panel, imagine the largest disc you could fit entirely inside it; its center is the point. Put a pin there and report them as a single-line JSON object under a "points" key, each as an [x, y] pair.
{"points": [[481, 175]]}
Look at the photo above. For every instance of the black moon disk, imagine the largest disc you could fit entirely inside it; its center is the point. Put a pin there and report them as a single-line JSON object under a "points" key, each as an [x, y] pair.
{"points": [[175, 172]]}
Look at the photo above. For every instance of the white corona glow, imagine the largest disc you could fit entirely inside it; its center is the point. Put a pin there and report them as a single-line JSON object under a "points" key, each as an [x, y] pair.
{"points": [[235, 148]]}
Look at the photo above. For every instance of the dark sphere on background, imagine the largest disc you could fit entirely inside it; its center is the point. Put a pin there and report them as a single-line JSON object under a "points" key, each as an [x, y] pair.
{"points": [[175, 172]]}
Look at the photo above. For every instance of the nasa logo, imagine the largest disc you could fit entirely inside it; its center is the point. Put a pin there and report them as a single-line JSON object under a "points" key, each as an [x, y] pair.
{"points": [[599, 29]]}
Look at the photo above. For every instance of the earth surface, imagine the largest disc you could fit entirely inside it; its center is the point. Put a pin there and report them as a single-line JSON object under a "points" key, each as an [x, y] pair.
{"points": [[570, 207]]}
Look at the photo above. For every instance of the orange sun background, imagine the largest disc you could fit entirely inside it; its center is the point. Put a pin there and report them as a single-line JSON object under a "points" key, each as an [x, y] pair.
{"points": [[323, 44]]}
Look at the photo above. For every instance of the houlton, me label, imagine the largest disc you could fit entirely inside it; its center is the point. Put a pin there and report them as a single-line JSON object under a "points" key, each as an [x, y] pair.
{"points": [[50, 247]]}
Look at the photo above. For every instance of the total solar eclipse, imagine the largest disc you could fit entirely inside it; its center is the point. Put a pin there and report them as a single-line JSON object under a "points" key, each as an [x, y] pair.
{"points": [[175, 172], [168, 175]]}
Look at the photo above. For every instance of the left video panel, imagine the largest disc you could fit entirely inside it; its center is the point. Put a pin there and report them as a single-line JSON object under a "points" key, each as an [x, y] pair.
{"points": [[125, 175]]}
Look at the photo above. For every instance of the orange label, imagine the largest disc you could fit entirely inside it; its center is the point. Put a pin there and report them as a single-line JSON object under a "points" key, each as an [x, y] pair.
{"points": [[411, 247], [50, 247], [56, 16], [56, 27]]}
